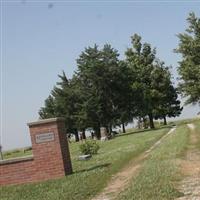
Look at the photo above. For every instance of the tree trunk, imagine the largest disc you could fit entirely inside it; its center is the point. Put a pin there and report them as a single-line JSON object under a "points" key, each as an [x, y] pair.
{"points": [[151, 121], [97, 132], [139, 123], [107, 129], [76, 135], [110, 129], [123, 128], [92, 135], [165, 120], [83, 134], [145, 125]]}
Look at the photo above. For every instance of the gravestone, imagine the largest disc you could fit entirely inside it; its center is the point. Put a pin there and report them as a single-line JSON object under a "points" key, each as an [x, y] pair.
{"points": [[85, 157], [104, 134]]}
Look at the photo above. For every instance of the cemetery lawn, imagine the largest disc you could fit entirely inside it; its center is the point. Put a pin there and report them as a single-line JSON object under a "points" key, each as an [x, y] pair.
{"points": [[91, 176], [160, 173]]}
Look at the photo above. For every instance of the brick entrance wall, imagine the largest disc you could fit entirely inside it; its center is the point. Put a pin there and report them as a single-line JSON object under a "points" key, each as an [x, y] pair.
{"points": [[50, 160]]}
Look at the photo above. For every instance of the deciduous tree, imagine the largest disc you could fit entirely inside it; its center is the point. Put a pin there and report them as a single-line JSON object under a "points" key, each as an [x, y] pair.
{"points": [[189, 66]]}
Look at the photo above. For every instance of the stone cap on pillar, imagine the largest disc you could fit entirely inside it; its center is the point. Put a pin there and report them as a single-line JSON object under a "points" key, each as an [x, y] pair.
{"points": [[45, 121]]}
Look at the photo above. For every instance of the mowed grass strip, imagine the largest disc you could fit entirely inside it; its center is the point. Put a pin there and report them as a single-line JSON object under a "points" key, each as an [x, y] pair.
{"points": [[159, 173], [90, 176], [197, 130]]}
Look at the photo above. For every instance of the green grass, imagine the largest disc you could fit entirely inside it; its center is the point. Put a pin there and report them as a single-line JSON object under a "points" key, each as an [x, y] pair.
{"points": [[17, 153], [90, 176], [186, 121], [159, 173], [197, 125]]}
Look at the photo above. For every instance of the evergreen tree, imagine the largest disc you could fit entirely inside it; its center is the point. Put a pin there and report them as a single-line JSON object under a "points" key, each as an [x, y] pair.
{"points": [[62, 103], [48, 111], [106, 85], [107, 92]]}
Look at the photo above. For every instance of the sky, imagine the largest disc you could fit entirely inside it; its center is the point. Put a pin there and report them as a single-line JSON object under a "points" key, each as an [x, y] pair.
{"points": [[39, 39]]}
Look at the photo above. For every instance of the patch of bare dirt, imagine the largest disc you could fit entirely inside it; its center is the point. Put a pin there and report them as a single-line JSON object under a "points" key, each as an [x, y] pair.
{"points": [[117, 183], [121, 180], [190, 167]]}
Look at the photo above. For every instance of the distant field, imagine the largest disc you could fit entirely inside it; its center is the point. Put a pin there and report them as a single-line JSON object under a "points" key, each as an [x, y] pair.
{"points": [[186, 121], [90, 176], [17, 153]]}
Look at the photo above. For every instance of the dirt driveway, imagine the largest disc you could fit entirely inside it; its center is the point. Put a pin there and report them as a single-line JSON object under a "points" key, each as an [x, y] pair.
{"points": [[121, 180]]}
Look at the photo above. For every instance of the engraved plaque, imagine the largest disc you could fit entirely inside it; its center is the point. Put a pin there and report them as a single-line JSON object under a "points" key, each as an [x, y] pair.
{"points": [[44, 137]]}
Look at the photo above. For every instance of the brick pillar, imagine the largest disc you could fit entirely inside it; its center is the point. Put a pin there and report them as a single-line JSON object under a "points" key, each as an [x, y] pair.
{"points": [[50, 148]]}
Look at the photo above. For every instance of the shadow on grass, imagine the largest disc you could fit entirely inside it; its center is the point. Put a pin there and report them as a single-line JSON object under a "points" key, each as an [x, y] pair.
{"points": [[93, 168], [144, 130]]}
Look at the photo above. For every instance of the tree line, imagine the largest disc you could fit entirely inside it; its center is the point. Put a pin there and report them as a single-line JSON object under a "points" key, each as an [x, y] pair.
{"points": [[107, 92]]}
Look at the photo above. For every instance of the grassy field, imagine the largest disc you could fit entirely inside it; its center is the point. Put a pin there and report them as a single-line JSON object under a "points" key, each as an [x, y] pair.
{"points": [[17, 153], [197, 125], [20, 152], [90, 176], [186, 121], [159, 173]]}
